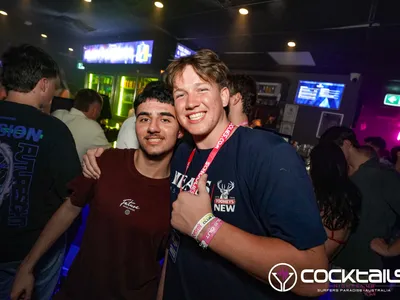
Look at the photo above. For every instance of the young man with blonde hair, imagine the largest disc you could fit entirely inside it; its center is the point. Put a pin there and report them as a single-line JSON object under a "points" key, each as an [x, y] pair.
{"points": [[242, 199]]}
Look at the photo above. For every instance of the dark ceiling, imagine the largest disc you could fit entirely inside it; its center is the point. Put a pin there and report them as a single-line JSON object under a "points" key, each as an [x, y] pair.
{"points": [[342, 35]]}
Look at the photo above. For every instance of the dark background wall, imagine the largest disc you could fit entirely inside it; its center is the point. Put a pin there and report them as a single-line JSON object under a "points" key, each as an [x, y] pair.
{"points": [[308, 117]]}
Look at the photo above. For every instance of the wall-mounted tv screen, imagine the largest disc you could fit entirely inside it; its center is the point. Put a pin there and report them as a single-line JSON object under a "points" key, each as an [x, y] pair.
{"points": [[320, 94], [182, 51], [139, 52]]}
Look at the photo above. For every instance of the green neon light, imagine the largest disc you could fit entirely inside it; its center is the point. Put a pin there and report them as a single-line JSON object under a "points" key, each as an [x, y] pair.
{"points": [[121, 95], [90, 80]]}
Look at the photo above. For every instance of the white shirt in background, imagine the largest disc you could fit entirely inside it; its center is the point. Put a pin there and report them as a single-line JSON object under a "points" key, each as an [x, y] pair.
{"points": [[127, 135], [87, 133]]}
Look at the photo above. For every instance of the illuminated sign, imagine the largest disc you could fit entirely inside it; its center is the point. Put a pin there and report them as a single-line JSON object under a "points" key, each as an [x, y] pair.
{"points": [[139, 52], [392, 100], [80, 66]]}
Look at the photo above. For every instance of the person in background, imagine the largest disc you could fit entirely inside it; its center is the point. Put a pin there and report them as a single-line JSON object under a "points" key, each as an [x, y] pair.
{"points": [[243, 97], [88, 134], [337, 196], [395, 158], [38, 159], [379, 145], [63, 90], [380, 189], [127, 136], [128, 226], [81, 121]]}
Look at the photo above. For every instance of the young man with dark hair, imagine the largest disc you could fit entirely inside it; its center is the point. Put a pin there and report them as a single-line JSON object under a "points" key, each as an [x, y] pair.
{"points": [[81, 120], [380, 189], [262, 210], [128, 223], [37, 159], [243, 97], [127, 136]]}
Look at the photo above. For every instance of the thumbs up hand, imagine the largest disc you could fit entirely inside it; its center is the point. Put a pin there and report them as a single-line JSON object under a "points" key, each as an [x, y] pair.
{"points": [[188, 209]]}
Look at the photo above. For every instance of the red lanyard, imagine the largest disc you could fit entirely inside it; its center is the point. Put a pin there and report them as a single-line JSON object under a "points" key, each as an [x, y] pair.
{"points": [[224, 137]]}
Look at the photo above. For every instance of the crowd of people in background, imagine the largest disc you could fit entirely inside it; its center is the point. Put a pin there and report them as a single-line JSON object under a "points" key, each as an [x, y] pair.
{"points": [[189, 140]]}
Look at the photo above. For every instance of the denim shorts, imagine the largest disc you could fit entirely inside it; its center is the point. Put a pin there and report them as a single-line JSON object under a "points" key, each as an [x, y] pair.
{"points": [[46, 274]]}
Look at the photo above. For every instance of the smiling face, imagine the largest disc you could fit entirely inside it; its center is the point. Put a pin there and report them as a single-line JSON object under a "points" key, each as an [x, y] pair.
{"points": [[199, 104], [157, 129]]}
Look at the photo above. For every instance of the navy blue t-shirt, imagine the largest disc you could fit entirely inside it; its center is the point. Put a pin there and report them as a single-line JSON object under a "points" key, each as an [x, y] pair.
{"points": [[258, 183]]}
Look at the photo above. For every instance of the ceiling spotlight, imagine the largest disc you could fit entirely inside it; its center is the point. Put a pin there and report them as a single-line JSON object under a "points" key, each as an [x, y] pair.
{"points": [[28, 23], [243, 11], [2, 12], [43, 36], [88, 0], [158, 4], [291, 44], [70, 49]]}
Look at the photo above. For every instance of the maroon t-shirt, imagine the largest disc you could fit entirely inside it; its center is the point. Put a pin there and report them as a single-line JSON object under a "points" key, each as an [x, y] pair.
{"points": [[126, 232]]}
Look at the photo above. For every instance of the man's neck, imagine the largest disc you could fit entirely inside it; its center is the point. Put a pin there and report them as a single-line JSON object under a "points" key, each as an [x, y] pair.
{"points": [[22, 98], [210, 140], [155, 168], [238, 119], [357, 159]]}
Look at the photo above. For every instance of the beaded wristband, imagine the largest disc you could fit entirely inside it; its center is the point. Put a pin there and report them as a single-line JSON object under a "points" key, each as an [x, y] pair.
{"points": [[201, 224], [209, 235]]}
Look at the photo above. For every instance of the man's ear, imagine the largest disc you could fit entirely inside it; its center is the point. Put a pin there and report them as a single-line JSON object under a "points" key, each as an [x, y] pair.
{"points": [[225, 96], [347, 143], [236, 98], [43, 84]]}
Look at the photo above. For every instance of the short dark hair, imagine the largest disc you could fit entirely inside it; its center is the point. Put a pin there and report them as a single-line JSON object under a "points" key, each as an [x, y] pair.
{"points": [[339, 134], [24, 66], [376, 141], [155, 90], [86, 97], [207, 65], [247, 87]]}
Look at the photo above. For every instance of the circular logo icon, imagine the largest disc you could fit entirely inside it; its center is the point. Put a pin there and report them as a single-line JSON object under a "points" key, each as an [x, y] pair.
{"points": [[127, 212], [282, 273]]}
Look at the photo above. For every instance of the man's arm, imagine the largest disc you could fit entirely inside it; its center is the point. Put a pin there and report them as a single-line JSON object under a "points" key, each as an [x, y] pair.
{"points": [[160, 292], [58, 224], [257, 255], [285, 203], [384, 249]]}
